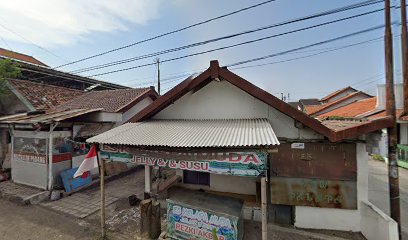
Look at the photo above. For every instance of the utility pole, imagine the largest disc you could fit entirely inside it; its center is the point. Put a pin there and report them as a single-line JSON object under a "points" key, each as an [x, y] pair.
{"points": [[158, 75], [404, 53], [393, 180]]}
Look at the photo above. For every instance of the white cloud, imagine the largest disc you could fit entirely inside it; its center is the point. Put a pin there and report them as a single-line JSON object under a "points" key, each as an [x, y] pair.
{"points": [[62, 22]]}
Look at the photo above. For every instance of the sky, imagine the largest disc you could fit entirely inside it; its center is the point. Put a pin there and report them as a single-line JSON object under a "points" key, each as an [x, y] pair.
{"points": [[61, 31]]}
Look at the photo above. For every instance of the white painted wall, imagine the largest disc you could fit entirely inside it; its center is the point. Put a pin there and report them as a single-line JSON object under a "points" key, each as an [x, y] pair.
{"points": [[222, 100], [338, 219], [399, 95], [135, 109], [223, 183], [375, 224]]}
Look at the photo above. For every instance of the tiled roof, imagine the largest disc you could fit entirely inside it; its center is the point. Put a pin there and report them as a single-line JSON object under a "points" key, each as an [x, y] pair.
{"points": [[343, 124], [327, 105], [382, 113], [108, 100], [312, 108], [42, 96], [192, 133], [353, 109], [309, 101], [326, 98], [19, 56]]}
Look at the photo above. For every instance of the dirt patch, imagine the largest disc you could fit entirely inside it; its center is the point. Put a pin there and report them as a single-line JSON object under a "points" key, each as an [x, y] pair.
{"points": [[36, 223]]}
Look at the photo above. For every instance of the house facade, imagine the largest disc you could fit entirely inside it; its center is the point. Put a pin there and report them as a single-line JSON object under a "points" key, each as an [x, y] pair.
{"points": [[221, 135]]}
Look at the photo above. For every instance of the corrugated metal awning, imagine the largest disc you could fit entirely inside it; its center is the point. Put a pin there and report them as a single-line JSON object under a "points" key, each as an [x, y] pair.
{"points": [[192, 133], [46, 118]]}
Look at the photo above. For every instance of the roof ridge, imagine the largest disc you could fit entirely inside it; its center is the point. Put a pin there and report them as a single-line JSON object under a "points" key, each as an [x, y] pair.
{"points": [[330, 95]]}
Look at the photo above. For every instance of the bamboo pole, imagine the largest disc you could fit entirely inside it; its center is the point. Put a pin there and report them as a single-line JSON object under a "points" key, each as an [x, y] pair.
{"points": [[264, 205], [102, 181]]}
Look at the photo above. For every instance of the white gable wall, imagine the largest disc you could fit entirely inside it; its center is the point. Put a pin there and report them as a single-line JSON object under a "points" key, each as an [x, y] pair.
{"points": [[222, 100], [135, 109]]}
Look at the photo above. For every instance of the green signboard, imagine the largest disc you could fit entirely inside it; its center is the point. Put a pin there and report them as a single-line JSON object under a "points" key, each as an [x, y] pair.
{"points": [[236, 163], [188, 223]]}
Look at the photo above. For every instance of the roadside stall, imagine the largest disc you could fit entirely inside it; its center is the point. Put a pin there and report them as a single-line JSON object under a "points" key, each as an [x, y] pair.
{"points": [[226, 157]]}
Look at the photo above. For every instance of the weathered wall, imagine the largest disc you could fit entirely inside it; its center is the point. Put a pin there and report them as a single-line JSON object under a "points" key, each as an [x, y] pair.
{"points": [[10, 104], [229, 184], [222, 100], [375, 224], [338, 219]]}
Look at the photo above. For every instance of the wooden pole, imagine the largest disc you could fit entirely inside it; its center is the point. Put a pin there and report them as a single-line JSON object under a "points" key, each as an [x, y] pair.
{"points": [[393, 180], [264, 209], [146, 218], [404, 53], [102, 181], [158, 75], [155, 222]]}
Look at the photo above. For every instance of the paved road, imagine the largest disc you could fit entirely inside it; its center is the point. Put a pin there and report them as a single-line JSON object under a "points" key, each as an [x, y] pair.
{"points": [[378, 191]]}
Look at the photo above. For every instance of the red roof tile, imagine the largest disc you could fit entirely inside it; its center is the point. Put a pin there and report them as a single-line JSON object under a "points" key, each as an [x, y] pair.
{"points": [[20, 57], [382, 113], [327, 105], [312, 108], [353, 109], [110, 100], [42, 96]]}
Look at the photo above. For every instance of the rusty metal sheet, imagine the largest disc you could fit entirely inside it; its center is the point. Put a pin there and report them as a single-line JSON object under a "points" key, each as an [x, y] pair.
{"points": [[314, 192], [334, 161]]}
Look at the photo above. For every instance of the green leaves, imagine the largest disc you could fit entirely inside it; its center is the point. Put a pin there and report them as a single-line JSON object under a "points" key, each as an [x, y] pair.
{"points": [[8, 70]]}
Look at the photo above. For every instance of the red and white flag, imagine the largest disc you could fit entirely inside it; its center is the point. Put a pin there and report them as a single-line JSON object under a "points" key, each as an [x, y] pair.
{"points": [[90, 162]]}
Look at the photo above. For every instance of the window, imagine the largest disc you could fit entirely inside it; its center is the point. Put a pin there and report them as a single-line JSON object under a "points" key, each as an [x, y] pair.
{"points": [[200, 178]]}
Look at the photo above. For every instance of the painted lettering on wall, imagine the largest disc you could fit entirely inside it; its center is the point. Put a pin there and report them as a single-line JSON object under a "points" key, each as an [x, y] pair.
{"points": [[248, 163], [30, 157], [188, 223], [314, 192]]}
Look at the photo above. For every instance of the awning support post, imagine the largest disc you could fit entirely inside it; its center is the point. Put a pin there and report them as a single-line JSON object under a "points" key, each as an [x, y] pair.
{"points": [[148, 180], [264, 209], [102, 181], [50, 147]]}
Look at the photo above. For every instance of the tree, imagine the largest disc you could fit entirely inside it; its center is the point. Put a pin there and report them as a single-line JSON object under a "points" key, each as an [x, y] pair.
{"points": [[8, 70]]}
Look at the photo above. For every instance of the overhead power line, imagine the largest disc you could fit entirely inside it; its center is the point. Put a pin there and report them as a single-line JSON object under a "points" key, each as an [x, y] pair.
{"points": [[317, 15], [29, 41], [252, 41], [167, 33], [307, 46], [311, 55]]}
